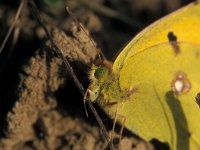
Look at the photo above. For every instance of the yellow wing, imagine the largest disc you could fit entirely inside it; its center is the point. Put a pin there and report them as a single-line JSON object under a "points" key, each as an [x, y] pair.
{"points": [[157, 110], [184, 23]]}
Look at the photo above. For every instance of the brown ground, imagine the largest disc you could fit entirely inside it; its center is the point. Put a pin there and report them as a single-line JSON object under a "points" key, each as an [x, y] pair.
{"points": [[40, 106]]}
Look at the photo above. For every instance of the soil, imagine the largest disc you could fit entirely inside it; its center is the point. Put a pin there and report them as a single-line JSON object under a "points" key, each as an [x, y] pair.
{"points": [[41, 107]]}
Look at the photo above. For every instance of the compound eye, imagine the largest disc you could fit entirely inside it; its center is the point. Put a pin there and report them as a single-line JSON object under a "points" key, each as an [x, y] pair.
{"points": [[100, 72]]}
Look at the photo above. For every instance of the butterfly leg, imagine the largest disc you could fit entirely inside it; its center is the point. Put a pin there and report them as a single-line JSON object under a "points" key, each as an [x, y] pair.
{"points": [[122, 127], [114, 123], [84, 101], [130, 92], [116, 117]]}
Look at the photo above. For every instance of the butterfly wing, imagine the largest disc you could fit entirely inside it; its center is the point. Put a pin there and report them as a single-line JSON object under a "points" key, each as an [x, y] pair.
{"points": [[182, 25], [156, 110]]}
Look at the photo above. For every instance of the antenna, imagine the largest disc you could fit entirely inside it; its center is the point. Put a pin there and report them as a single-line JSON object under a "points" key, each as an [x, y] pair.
{"points": [[100, 54]]}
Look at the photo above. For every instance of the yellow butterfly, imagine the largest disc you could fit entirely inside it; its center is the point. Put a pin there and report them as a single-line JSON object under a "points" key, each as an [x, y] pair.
{"points": [[154, 80]]}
